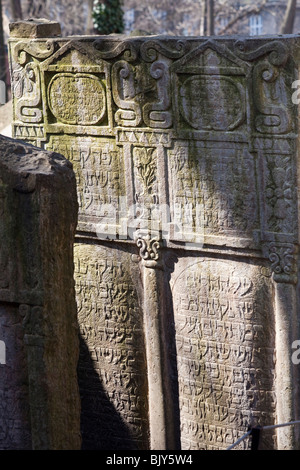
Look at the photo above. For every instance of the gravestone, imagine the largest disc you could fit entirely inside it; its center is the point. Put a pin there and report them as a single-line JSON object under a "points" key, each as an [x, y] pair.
{"points": [[186, 252], [40, 404]]}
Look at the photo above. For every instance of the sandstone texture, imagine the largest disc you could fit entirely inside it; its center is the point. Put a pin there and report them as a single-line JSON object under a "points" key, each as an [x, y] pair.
{"points": [[185, 152], [39, 406]]}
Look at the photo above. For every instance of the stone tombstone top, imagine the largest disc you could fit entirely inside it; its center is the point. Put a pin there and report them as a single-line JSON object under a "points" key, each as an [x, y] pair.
{"points": [[185, 152], [163, 99], [39, 406], [31, 28]]}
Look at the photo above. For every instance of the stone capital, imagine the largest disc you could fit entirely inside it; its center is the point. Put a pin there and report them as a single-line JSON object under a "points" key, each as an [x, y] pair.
{"points": [[283, 258], [149, 247]]}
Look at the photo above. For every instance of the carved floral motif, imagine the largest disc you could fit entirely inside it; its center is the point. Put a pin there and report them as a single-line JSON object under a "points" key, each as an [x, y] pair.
{"points": [[146, 166], [280, 197]]}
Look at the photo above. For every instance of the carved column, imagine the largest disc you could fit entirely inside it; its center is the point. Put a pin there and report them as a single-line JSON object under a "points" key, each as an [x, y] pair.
{"points": [[283, 259], [160, 420]]}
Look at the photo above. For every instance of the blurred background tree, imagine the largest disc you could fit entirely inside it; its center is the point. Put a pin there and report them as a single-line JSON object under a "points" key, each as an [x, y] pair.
{"points": [[108, 16], [2, 62], [185, 17], [16, 9], [289, 18]]}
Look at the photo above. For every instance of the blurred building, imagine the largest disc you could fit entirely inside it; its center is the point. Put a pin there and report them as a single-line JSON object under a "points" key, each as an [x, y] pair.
{"points": [[247, 17], [267, 20], [184, 17]]}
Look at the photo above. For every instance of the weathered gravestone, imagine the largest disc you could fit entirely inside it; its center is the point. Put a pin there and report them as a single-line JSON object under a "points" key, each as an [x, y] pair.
{"points": [[39, 396], [186, 153]]}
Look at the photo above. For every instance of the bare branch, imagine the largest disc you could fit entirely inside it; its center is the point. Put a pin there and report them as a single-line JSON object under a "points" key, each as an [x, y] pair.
{"points": [[16, 9], [242, 13], [289, 17]]}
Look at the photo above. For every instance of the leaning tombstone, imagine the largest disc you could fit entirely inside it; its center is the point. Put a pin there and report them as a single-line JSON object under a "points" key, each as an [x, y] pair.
{"points": [[186, 253], [39, 405]]}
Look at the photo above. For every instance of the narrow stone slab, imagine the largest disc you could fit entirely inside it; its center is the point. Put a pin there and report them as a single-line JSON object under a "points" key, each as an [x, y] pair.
{"points": [[39, 406], [32, 28]]}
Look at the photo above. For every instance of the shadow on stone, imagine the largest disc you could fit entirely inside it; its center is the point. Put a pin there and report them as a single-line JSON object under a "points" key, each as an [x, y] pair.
{"points": [[102, 427]]}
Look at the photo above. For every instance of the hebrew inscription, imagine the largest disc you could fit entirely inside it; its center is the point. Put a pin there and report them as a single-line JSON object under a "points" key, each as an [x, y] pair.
{"points": [[186, 256], [212, 188], [111, 375], [195, 92], [98, 165], [76, 98], [225, 351]]}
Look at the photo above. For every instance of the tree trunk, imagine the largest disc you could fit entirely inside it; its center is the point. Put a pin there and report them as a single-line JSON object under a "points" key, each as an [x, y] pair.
{"points": [[203, 15], [289, 17], [90, 26], [16, 10], [210, 18]]}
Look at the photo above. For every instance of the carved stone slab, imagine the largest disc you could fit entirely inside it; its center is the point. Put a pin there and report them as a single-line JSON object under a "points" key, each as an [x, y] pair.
{"points": [[40, 404], [186, 154]]}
